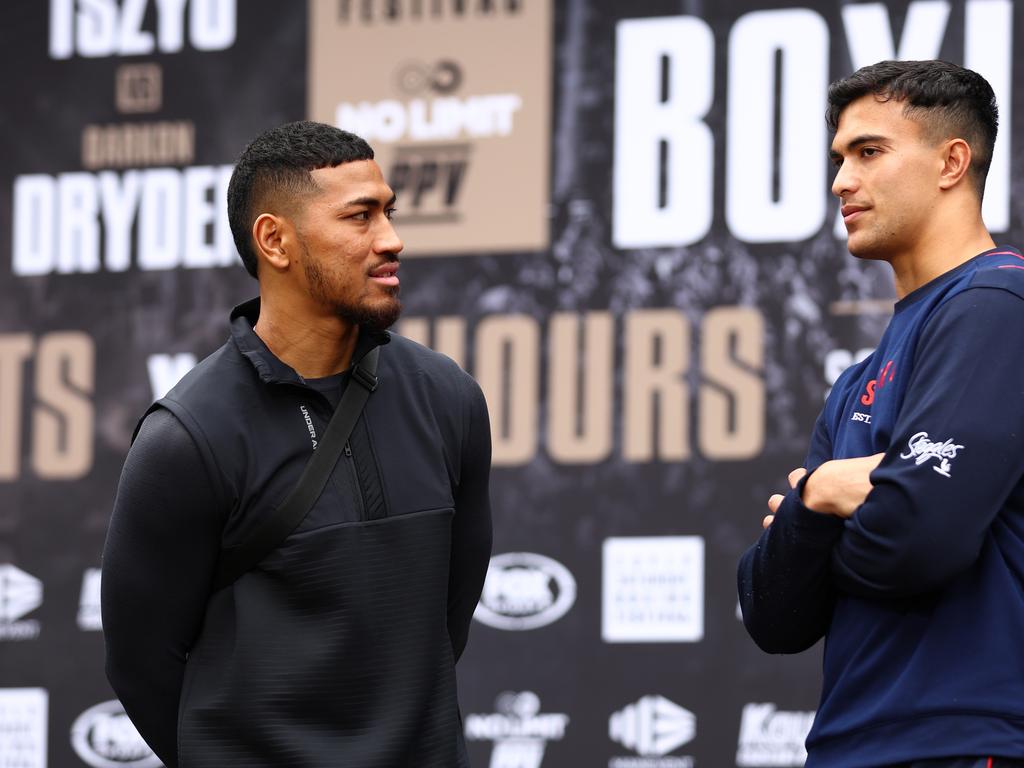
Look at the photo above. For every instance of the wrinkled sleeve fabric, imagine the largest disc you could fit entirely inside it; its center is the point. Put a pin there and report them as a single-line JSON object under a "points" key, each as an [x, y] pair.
{"points": [[785, 589], [954, 457], [158, 561], [471, 526]]}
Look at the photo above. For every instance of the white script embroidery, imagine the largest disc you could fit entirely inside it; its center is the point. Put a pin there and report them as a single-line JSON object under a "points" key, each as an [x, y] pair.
{"points": [[921, 449]]}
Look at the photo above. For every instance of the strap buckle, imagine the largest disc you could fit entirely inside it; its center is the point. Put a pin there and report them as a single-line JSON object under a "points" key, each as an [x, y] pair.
{"points": [[365, 378]]}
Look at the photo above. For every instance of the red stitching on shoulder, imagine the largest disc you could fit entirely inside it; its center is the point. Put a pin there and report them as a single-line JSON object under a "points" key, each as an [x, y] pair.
{"points": [[1006, 253]]}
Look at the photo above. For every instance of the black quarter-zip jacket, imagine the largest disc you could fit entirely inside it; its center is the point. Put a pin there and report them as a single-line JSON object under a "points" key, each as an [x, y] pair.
{"points": [[339, 648]]}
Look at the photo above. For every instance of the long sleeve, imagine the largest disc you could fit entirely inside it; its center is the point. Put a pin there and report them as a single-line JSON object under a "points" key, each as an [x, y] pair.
{"points": [[158, 561], [471, 527], [954, 457], [785, 590]]}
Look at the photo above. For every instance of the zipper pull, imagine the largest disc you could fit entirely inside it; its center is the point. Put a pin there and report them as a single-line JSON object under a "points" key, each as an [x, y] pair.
{"points": [[348, 451]]}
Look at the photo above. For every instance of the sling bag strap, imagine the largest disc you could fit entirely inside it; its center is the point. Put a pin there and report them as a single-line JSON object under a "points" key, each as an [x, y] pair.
{"points": [[238, 560]]}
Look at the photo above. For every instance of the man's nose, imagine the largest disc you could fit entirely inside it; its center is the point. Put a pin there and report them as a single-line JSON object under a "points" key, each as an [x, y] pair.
{"points": [[844, 181], [388, 240]]}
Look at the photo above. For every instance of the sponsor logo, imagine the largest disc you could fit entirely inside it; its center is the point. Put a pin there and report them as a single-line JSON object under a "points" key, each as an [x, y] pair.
{"points": [[885, 376], [138, 88], [519, 730], [868, 398], [20, 594], [444, 76], [771, 738], [921, 449], [23, 724], [309, 425], [89, 617], [653, 589], [104, 737], [443, 121], [429, 176], [524, 590], [652, 727], [440, 119]]}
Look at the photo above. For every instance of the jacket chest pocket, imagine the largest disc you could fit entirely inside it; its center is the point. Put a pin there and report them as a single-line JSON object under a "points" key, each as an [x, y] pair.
{"points": [[341, 500]]}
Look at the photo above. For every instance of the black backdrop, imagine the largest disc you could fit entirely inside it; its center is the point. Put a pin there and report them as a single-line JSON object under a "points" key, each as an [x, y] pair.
{"points": [[652, 370]]}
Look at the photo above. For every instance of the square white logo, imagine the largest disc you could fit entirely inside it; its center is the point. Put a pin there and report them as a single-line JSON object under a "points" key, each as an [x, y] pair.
{"points": [[653, 589], [23, 718], [89, 617]]}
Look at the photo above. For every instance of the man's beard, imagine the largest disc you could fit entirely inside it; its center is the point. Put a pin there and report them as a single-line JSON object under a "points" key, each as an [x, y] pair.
{"points": [[375, 316]]}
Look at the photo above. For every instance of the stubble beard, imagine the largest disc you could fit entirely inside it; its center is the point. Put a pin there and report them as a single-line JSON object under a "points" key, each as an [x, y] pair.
{"points": [[872, 246], [373, 315]]}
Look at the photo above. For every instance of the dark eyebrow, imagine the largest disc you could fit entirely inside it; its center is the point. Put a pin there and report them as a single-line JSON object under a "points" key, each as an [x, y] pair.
{"points": [[372, 202], [857, 141]]}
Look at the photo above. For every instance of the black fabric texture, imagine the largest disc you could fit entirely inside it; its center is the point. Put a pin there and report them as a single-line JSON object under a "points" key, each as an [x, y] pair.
{"points": [[339, 648], [315, 475]]}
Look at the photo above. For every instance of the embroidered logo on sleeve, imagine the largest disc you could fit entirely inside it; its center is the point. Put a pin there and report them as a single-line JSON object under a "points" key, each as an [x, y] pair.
{"points": [[921, 448]]}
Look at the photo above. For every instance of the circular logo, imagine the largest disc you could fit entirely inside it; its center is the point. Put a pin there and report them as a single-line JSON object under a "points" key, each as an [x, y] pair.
{"points": [[524, 590], [104, 737], [523, 705], [443, 77]]}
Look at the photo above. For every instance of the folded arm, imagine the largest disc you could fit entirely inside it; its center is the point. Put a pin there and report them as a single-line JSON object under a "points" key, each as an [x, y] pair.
{"points": [[785, 588], [954, 457]]}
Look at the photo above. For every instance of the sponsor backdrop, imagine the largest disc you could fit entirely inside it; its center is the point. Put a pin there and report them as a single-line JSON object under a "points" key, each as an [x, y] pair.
{"points": [[617, 218]]}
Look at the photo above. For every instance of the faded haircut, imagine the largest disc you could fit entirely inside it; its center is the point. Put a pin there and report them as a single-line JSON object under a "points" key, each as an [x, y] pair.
{"points": [[949, 101], [274, 170]]}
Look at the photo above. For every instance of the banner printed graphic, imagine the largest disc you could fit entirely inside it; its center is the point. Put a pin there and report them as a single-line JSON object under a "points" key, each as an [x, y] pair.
{"points": [[629, 241], [455, 99]]}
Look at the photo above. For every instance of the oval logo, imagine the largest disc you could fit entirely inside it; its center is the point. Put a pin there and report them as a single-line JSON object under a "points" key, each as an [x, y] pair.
{"points": [[524, 590], [104, 737]]}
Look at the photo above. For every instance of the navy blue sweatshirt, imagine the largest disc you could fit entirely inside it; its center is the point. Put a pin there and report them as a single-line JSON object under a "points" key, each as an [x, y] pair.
{"points": [[920, 594]]}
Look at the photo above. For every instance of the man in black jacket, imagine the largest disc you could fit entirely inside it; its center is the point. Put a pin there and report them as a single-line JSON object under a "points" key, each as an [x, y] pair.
{"points": [[338, 648]]}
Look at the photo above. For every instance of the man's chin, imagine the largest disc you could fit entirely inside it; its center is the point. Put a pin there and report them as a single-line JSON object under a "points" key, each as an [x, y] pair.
{"points": [[376, 316], [861, 249]]}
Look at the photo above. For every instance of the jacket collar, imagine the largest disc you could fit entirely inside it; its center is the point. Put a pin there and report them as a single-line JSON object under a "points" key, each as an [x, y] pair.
{"points": [[269, 368]]}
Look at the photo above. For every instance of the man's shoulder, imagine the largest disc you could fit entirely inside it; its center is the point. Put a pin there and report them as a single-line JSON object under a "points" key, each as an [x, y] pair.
{"points": [[210, 375], [218, 390], [411, 357], [1006, 274], [209, 390]]}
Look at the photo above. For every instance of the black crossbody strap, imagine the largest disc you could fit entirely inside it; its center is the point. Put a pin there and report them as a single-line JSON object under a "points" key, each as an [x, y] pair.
{"points": [[235, 561]]}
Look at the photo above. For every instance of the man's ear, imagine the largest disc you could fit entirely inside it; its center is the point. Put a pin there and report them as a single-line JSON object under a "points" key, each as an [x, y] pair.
{"points": [[956, 161], [269, 233]]}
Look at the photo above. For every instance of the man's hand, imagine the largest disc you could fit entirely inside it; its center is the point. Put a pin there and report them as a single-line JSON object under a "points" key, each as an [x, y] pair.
{"points": [[776, 498], [839, 486]]}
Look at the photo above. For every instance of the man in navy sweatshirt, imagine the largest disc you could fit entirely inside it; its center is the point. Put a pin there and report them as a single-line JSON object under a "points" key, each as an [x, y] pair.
{"points": [[903, 542]]}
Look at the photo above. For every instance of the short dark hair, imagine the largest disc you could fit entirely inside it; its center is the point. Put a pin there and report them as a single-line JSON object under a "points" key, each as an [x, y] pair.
{"points": [[277, 164], [948, 99]]}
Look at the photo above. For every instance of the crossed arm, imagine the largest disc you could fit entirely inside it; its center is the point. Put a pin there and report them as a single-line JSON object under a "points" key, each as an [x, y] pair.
{"points": [[906, 522], [837, 487]]}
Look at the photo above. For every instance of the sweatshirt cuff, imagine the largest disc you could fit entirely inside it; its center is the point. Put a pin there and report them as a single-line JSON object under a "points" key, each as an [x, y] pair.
{"points": [[801, 517]]}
